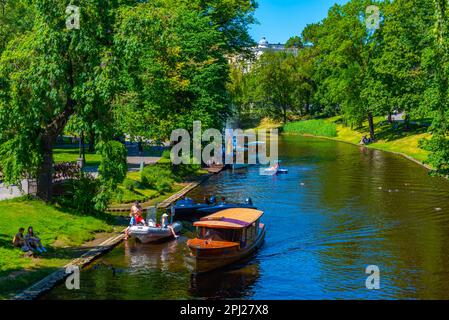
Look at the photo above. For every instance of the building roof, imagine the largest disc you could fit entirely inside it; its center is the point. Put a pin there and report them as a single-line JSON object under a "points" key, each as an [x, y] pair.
{"points": [[263, 43], [237, 218]]}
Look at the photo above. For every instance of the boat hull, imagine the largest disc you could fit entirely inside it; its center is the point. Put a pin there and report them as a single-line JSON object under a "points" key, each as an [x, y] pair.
{"points": [[194, 214], [214, 209], [154, 234], [199, 263]]}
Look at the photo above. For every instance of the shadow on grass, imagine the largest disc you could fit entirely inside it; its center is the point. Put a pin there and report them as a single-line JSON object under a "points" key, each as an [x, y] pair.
{"points": [[106, 217], [18, 279], [15, 279]]}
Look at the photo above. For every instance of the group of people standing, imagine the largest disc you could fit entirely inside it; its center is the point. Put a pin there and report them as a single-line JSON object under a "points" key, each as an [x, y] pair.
{"points": [[28, 242]]}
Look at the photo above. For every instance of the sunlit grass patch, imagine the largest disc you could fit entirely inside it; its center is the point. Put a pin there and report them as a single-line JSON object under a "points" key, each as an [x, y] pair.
{"points": [[314, 127], [57, 229], [71, 154]]}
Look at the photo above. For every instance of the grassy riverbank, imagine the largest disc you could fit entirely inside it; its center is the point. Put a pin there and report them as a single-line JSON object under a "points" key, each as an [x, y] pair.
{"points": [[61, 232], [390, 137], [156, 182]]}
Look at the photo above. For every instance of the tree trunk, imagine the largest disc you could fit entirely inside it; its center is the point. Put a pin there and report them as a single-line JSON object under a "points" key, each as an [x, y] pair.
{"points": [[91, 141], [390, 118], [51, 132], [407, 123], [284, 111], [45, 173], [371, 126]]}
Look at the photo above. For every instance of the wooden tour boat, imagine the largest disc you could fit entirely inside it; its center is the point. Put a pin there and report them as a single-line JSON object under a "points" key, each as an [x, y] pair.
{"points": [[225, 237]]}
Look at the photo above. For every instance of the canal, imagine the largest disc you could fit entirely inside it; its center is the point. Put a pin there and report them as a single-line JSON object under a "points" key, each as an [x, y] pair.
{"points": [[340, 209]]}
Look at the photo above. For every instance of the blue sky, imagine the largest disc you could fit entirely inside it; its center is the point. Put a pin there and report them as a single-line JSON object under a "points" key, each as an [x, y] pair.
{"points": [[281, 19]]}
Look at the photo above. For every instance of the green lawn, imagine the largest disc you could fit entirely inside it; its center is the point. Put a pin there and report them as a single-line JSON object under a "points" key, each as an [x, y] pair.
{"points": [[389, 138], [61, 232], [141, 194], [71, 154], [150, 196], [314, 127]]}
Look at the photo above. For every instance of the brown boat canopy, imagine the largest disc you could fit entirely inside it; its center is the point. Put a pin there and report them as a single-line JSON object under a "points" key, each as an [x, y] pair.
{"points": [[237, 218]]}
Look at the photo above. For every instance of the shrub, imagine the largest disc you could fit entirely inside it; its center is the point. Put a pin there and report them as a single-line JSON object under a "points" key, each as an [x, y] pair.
{"points": [[80, 194], [158, 178], [166, 154], [130, 184], [185, 170]]}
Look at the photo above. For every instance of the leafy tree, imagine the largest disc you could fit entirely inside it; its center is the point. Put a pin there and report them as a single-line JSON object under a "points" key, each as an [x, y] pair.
{"points": [[436, 63], [48, 75], [294, 42], [173, 70], [16, 17], [279, 89], [398, 68]]}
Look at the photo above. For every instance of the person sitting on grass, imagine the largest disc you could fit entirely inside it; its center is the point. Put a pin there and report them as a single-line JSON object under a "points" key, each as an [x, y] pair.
{"points": [[19, 241], [365, 140], [33, 241]]}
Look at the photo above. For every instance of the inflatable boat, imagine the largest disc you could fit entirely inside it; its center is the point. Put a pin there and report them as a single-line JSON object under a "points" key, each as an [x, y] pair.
{"points": [[147, 234], [153, 232]]}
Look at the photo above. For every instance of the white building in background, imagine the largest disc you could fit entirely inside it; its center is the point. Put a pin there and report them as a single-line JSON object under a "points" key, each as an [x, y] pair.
{"points": [[264, 46], [257, 51]]}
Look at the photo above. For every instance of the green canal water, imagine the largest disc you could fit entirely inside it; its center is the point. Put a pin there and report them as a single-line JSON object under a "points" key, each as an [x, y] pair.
{"points": [[340, 209]]}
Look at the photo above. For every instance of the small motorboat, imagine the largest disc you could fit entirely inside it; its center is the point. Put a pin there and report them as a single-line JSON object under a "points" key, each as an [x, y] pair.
{"points": [[224, 238], [188, 210], [153, 232], [224, 206], [186, 207]]}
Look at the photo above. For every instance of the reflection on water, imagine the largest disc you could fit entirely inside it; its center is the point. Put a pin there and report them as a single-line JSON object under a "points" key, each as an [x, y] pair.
{"points": [[339, 209]]}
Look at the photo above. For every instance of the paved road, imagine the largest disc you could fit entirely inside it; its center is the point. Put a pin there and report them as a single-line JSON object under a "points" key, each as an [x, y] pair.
{"points": [[9, 193]]}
